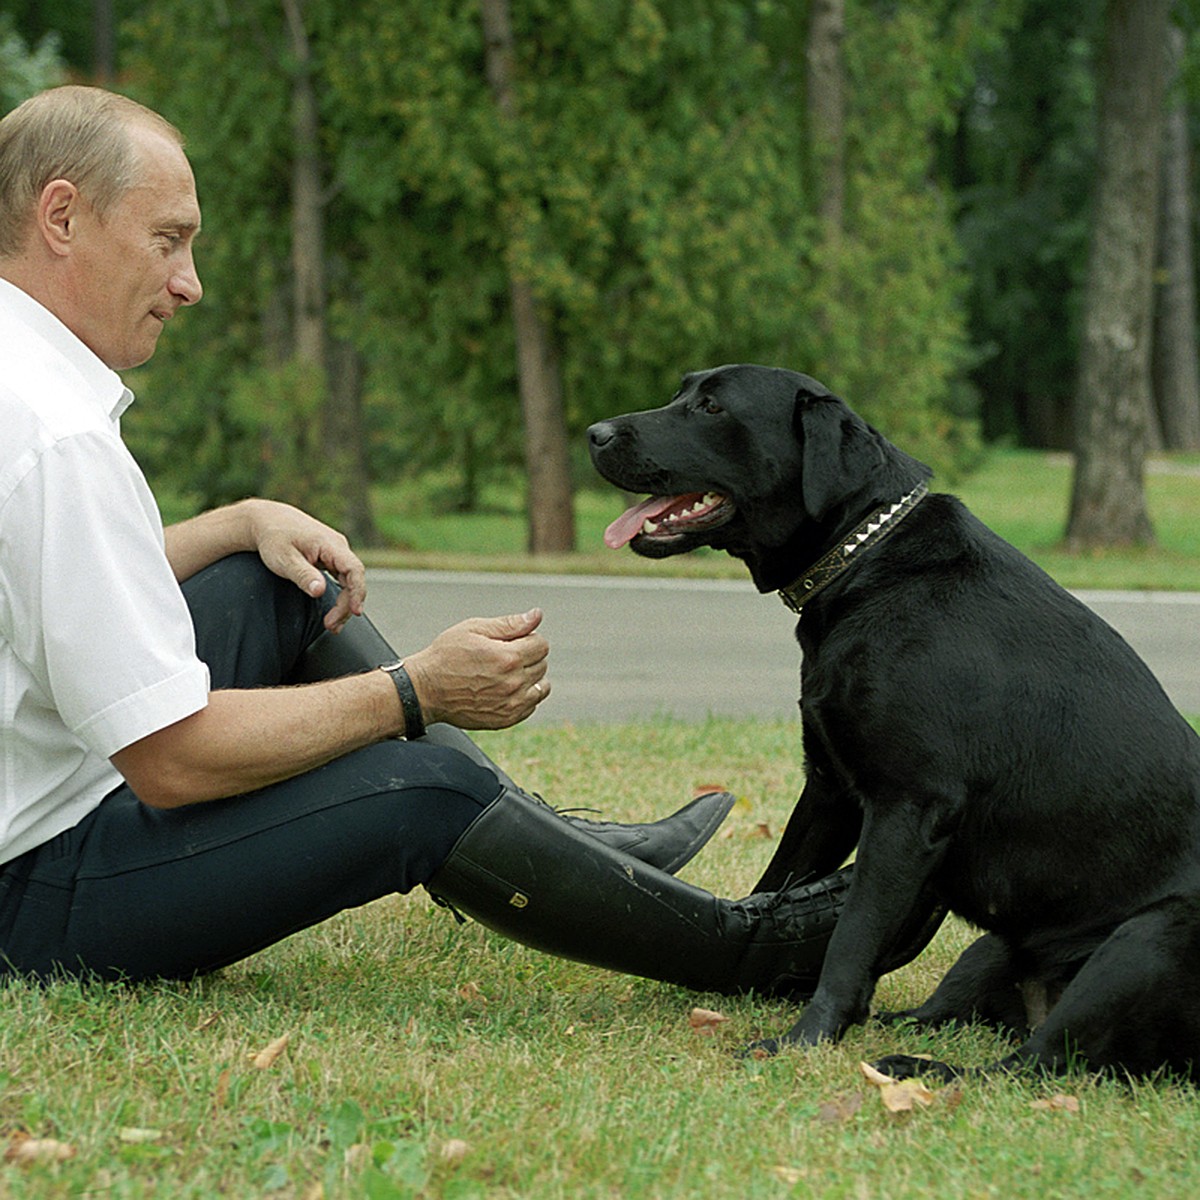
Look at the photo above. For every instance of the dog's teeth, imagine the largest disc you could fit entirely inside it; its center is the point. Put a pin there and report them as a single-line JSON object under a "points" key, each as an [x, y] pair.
{"points": [[649, 526], [698, 506], [710, 497]]}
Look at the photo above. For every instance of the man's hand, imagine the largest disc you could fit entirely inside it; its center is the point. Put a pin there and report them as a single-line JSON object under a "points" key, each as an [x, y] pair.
{"points": [[290, 542], [483, 673], [300, 548]]}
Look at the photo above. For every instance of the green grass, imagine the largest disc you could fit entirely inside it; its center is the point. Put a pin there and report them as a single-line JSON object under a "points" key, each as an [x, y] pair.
{"points": [[1022, 494], [410, 1035]]}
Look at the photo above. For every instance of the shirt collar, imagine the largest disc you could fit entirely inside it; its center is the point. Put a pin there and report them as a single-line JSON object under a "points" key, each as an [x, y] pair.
{"points": [[106, 385]]}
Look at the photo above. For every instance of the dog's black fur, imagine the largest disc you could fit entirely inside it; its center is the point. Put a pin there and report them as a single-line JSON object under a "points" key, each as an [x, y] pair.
{"points": [[984, 739]]}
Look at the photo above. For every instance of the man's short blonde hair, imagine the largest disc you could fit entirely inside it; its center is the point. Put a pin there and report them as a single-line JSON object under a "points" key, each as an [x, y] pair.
{"points": [[76, 133]]}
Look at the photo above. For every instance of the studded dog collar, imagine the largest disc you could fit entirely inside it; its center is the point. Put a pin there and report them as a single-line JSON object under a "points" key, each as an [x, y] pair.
{"points": [[872, 531]]}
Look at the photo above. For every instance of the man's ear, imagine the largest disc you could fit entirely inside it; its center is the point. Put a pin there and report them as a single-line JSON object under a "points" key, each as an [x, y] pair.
{"points": [[838, 451], [57, 214]]}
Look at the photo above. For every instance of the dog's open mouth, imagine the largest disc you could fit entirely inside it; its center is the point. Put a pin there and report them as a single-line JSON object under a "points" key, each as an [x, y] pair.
{"points": [[669, 516]]}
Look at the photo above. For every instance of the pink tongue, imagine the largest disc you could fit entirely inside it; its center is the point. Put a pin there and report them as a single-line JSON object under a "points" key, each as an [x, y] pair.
{"points": [[627, 526]]}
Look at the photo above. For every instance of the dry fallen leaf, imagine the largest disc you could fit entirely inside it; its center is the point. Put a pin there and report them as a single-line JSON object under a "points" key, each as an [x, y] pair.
{"points": [[898, 1095], [704, 1021], [1059, 1103], [762, 830], [453, 1152], [875, 1076], [266, 1057], [905, 1096], [133, 1136], [25, 1150], [473, 992], [703, 789]]}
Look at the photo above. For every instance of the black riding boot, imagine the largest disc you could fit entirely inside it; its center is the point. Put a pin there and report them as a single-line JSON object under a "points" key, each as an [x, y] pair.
{"points": [[524, 873], [667, 844]]}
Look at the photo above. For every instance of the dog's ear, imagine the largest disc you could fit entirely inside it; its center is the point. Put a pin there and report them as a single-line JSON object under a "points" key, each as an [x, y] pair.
{"points": [[838, 450]]}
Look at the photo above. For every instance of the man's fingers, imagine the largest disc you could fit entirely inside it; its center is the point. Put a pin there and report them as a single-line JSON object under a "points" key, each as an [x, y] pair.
{"points": [[509, 628]]}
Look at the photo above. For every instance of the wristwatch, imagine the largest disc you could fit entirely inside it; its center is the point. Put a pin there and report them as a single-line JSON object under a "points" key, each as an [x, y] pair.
{"points": [[414, 720]]}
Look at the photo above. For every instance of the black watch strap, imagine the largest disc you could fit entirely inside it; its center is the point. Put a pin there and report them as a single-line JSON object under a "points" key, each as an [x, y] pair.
{"points": [[414, 720]]}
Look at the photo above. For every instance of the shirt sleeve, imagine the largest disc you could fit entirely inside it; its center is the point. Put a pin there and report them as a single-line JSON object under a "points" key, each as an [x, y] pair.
{"points": [[95, 611]]}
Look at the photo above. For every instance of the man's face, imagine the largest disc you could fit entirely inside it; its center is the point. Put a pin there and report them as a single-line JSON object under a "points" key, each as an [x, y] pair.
{"points": [[133, 267]]}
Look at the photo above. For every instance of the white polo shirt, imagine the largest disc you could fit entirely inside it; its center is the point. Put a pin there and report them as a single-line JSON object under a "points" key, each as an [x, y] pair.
{"points": [[96, 644]]}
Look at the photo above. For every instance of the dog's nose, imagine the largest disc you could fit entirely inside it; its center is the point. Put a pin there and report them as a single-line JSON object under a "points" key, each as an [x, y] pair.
{"points": [[601, 433]]}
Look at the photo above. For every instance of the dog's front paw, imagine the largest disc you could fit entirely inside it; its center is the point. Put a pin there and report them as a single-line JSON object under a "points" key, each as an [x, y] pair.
{"points": [[912, 1066]]}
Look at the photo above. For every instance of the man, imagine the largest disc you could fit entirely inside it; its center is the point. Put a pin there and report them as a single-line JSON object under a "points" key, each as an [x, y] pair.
{"points": [[166, 805]]}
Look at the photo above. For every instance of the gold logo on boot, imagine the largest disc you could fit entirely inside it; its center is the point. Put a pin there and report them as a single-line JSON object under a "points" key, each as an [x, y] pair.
{"points": [[518, 900]]}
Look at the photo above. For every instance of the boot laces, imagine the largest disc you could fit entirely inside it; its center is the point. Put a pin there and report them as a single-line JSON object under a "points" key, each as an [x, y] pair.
{"points": [[799, 904], [561, 812]]}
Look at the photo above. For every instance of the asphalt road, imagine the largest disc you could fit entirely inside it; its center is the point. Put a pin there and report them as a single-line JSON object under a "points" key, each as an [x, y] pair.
{"points": [[624, 649]]}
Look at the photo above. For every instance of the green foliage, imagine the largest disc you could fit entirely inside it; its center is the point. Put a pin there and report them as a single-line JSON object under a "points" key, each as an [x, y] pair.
{"points": [[648, 185], [1022, 164], [650, 189], [26, 68], [890, 292], [654, 191]]}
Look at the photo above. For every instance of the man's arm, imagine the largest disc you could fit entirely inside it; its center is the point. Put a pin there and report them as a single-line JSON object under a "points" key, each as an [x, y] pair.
{"points": [[484, 673], [294, 545]]}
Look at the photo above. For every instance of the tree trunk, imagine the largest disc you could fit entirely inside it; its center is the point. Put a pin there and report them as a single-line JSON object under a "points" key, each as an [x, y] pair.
{"points": [[341, 473], [1176, 371], [104, 42], [308, 216], [1108, 502], [547, 449], [345, 444], [825, 95]]}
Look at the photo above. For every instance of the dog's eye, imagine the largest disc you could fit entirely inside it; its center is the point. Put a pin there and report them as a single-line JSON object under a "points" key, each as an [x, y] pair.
{"points": [[708, 405]]}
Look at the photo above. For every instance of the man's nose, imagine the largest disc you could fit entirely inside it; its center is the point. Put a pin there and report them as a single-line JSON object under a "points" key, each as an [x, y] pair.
{"points": [[186, 283]]}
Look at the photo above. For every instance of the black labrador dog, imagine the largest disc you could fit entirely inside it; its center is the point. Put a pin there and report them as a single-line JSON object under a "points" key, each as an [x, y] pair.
{"points": [[985, 740]]}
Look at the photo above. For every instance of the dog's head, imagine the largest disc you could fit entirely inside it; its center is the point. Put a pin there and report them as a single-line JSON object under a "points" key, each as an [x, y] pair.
{"points": [[765, 463]]}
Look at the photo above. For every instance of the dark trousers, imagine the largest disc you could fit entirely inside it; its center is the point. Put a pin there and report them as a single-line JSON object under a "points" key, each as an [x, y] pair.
{"points": [[134, 892]]}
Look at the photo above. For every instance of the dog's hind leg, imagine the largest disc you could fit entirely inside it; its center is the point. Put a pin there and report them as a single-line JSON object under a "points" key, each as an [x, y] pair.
{"points": [[983, 985], [1134, 1007]]}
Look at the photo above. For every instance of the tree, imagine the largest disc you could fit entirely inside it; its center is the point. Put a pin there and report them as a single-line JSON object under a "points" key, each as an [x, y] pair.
{"points": [[342, 464], [1108, 505], [887, 291], [259, 392], [650, 187], [550, 511], [1174, 367], [1020, 158], [826, 107]]}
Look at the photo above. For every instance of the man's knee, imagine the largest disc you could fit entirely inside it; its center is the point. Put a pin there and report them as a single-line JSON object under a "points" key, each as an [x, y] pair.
{"points": [[251, 626]]}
